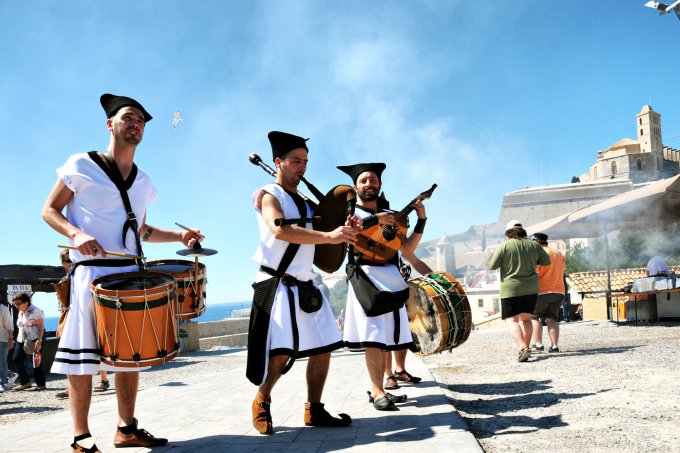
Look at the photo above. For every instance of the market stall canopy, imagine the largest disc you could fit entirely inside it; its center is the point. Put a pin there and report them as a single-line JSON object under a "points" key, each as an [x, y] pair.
{"points": [[653, 205]]}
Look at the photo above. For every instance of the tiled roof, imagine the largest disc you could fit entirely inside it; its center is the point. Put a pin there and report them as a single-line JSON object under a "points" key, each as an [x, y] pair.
{"points": [[597, 281]]}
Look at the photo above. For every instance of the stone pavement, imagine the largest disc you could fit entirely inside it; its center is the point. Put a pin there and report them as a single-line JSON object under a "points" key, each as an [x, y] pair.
{"points": [[212, 413]]}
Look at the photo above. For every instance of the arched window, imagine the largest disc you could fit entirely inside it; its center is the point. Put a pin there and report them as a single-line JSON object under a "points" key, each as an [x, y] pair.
{"points": [[613, 168], [639, 164]]}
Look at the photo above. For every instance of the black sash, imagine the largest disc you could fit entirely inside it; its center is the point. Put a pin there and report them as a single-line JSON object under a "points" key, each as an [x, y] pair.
{"points": [[260, 312]]}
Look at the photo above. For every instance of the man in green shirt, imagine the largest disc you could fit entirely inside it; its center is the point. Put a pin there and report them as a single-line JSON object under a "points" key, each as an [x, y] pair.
{"points": [[517, 259]]}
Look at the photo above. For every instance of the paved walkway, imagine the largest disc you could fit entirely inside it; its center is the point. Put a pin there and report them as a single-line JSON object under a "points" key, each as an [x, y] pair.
{"points": [[212, 413]]}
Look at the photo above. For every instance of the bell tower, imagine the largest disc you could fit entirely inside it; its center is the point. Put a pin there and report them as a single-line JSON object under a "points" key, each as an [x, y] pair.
{"points": [[649, 130]]}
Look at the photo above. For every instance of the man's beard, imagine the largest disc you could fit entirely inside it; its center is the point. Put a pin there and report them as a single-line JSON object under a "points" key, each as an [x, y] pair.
{"points": [[363, 196], [132, 140]]}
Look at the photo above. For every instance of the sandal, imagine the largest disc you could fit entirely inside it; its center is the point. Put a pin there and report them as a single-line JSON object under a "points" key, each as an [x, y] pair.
{"points": [[389, 396], [391, 383], [404, 376], [102, 387]]}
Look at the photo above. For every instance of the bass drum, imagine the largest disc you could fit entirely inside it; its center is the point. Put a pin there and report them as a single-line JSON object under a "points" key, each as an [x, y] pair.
{"points": [[136, 315], [438, 312], [333, 210]]}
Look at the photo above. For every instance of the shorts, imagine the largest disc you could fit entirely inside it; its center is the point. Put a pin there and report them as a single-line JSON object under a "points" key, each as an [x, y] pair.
{"points": [[513, 306], [548, 306]]}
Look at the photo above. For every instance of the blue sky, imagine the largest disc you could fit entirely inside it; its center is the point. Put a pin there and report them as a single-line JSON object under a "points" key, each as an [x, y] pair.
{"points": [[482, 98]]}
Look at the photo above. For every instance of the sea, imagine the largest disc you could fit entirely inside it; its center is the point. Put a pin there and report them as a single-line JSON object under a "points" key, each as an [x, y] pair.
{"points": [[213, 312]]}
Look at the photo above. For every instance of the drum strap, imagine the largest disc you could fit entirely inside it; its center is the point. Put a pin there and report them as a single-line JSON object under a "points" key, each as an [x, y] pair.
{"points": [[114, 175]]}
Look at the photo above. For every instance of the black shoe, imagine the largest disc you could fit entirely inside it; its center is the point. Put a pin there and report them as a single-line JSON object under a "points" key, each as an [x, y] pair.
{"points": [[384, 404], [553, 349], [81, 446], [389, 396]]}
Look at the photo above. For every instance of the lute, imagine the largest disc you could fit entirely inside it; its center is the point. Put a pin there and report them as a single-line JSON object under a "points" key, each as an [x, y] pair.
{"points": [[379, 243]]}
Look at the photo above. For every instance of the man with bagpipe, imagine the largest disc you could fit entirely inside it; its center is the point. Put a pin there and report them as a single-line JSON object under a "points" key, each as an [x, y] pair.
{"points": [[375, 317], [290, 317]]}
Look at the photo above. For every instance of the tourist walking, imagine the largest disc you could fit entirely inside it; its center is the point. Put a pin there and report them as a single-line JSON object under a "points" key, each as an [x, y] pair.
{"points": [[517, 259], [31, 325], [550, 297], [7, 378]]}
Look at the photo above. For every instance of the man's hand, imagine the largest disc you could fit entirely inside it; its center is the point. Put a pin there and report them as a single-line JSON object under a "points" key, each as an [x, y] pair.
{"points": [[343, 233], [189, 238], [87, 245], [385, 218]]}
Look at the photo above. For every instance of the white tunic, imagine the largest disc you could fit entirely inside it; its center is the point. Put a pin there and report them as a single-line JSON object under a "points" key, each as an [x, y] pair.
{"points": [[317, 331], [96, 208], [363, 331]]}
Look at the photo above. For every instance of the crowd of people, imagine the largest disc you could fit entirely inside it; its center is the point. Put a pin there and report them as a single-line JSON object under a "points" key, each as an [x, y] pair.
{"points": [[99, 195]]}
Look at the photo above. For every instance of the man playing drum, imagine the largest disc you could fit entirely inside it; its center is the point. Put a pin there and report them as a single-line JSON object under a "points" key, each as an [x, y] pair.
{"points": [[389, 331], [95, 217], [290, 317]]}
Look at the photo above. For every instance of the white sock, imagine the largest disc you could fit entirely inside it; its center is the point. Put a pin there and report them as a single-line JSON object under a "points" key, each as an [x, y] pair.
{"points": [[538, 345]]}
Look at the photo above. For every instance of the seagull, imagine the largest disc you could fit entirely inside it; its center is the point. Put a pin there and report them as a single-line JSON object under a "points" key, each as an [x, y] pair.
{"points": [[664, 8], [176, 120]]}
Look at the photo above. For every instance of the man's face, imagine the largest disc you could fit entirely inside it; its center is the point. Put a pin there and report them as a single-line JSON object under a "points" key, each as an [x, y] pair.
{"points": [[66, 262], [293, 166], [127, 125], [368, 186]]}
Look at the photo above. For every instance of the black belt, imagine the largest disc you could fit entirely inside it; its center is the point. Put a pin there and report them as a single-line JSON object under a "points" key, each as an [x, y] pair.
{"points": [[105, 263], [287, 279]]}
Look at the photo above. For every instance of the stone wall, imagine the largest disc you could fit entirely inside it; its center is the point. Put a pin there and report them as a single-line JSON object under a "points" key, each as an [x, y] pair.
{"points": [[206, 335]]}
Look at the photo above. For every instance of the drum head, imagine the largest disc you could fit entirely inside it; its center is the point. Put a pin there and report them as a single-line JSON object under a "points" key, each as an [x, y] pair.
{"points": [[439, 313], [173, 268], [131, 283]]}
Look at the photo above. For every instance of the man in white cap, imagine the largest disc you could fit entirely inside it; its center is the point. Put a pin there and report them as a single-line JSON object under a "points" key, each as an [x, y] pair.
{"points": [[517, 259]]}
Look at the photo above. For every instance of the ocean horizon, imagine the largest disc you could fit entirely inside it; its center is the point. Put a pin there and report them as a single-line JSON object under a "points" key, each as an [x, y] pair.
{"points": [[213, 312]]}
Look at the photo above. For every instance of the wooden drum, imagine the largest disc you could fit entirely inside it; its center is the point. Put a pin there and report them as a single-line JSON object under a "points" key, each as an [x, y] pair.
{"points": [[438, 312], [190, 291], [136, 314]]}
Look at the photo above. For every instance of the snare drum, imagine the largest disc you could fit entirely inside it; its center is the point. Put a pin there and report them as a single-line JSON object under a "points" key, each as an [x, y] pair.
{"points": [[190, 292], [136, 315], [438, 312]]}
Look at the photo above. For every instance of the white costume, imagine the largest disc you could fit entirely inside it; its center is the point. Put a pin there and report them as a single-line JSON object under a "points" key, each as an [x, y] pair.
{"points": [[317, 332], [376, 331], [96, 208]]}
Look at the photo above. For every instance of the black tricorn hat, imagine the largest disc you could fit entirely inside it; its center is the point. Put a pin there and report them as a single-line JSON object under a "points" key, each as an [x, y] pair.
{"points": [[355, 170], [112, 103], [283, 142]]}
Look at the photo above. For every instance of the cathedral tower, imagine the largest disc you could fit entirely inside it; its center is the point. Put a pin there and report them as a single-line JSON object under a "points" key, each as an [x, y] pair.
{"points": [[649, 130]]}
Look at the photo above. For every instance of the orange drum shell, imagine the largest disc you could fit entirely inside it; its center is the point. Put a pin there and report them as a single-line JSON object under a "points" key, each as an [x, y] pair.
{"points": [[124, 333], [187, 306]]}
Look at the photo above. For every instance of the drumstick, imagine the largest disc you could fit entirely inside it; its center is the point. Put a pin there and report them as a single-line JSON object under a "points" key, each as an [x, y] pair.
{"points": [[124, 255], [186, 228], [195, 260]]}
